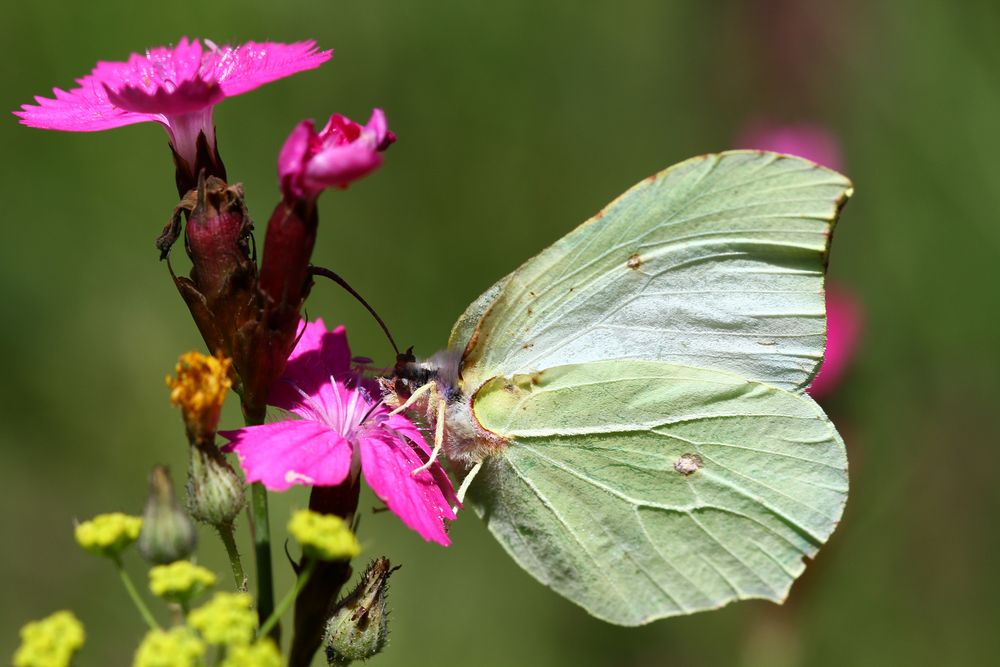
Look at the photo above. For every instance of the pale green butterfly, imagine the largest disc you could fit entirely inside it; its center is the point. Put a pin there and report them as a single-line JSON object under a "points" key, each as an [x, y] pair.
{"points": [[632, 398]]}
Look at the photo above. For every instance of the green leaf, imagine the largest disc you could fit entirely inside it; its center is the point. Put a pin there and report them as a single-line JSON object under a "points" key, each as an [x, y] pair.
{"points": [[641, 489], [715, 263]]}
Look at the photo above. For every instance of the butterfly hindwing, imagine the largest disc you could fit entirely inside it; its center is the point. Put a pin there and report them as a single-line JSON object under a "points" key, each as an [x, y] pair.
{"points": [[641, 490], [716, 262]]}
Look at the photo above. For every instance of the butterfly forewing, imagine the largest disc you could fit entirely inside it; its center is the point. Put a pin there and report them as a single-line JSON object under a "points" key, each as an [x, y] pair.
{"points": [[641, 490], [716, 263]]}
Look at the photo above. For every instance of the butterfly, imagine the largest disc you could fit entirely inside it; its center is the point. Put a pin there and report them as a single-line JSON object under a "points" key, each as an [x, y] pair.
{"points": [[629, 404]]}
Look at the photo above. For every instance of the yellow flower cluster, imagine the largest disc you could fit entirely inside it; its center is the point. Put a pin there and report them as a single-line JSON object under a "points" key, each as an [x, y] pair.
{"points": [[200, 389], [323, 536], [262, 653], [177, 647], [108, 534], [179, 581], [228, 619], [50, 642]]}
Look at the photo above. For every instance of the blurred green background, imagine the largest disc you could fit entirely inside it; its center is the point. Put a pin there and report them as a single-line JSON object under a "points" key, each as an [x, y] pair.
{"points": [[517, 120]]}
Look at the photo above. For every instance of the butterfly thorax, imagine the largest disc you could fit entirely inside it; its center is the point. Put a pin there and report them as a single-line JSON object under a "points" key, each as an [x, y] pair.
{"points": [[466, 442]]}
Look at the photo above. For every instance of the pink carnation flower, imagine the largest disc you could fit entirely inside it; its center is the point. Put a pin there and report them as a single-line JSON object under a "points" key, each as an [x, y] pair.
{"points": [[341, 429], [342, 152], [843, 329], [176, 87]]}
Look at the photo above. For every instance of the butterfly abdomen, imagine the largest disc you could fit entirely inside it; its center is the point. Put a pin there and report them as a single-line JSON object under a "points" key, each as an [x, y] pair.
{"points": [[466, 441]]}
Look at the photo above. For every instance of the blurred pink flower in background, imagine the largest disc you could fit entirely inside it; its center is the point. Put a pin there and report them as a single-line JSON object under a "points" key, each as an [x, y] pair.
{"points": [[843, 311], [341, 429], [340, 153], [843, 329], [813, 142], [174, 86]]}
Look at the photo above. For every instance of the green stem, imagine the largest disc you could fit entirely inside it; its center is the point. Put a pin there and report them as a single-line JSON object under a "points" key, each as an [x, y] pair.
{"points": [[261, 528], [134, 594], [228, 534], [289, 598], [262, 549]]}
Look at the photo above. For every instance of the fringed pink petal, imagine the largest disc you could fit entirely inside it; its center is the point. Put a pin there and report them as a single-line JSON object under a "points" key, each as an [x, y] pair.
{"points": [[318, 356], [401, 424], [251, 65], [166, 82], [420, 501], [291, 452]]}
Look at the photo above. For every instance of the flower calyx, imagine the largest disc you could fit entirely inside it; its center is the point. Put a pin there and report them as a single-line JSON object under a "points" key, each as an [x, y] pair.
{"points": [[358, 628], [168, 534]]}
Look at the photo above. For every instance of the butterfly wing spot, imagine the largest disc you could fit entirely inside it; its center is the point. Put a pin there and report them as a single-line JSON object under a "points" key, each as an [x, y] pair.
{"points": [[634, 261], [688, 464]]}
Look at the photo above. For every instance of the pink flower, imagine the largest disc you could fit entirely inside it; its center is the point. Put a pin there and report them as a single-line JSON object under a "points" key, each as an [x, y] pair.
{"points": [[813, 142], [340, 430], [176, 87], [341, 153], [843, 329]]}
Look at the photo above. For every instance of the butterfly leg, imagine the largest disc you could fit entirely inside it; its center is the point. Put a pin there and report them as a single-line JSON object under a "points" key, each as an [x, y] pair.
{"points": [[438, 436], [471, 475], [414, 397]]}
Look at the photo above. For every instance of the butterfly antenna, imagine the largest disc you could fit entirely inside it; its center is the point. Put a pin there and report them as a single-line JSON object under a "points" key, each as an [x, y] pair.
{"points": [[327, 273]]}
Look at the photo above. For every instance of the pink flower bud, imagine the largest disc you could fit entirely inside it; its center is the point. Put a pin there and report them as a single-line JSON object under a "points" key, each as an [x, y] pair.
{"points": [[342, 152]]}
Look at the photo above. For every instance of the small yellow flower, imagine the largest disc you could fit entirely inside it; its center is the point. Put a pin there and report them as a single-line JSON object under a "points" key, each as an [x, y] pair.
{"points": [[179, 581], [262, 653], [200, 389], [108, 534], [228, 619], [323, 536], [177, 647], [50, 642]]}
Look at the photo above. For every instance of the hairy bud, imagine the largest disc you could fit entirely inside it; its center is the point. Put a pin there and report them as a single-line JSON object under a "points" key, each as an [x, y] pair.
{"points": [[168, 534], [358, 628], [216, 494]]}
